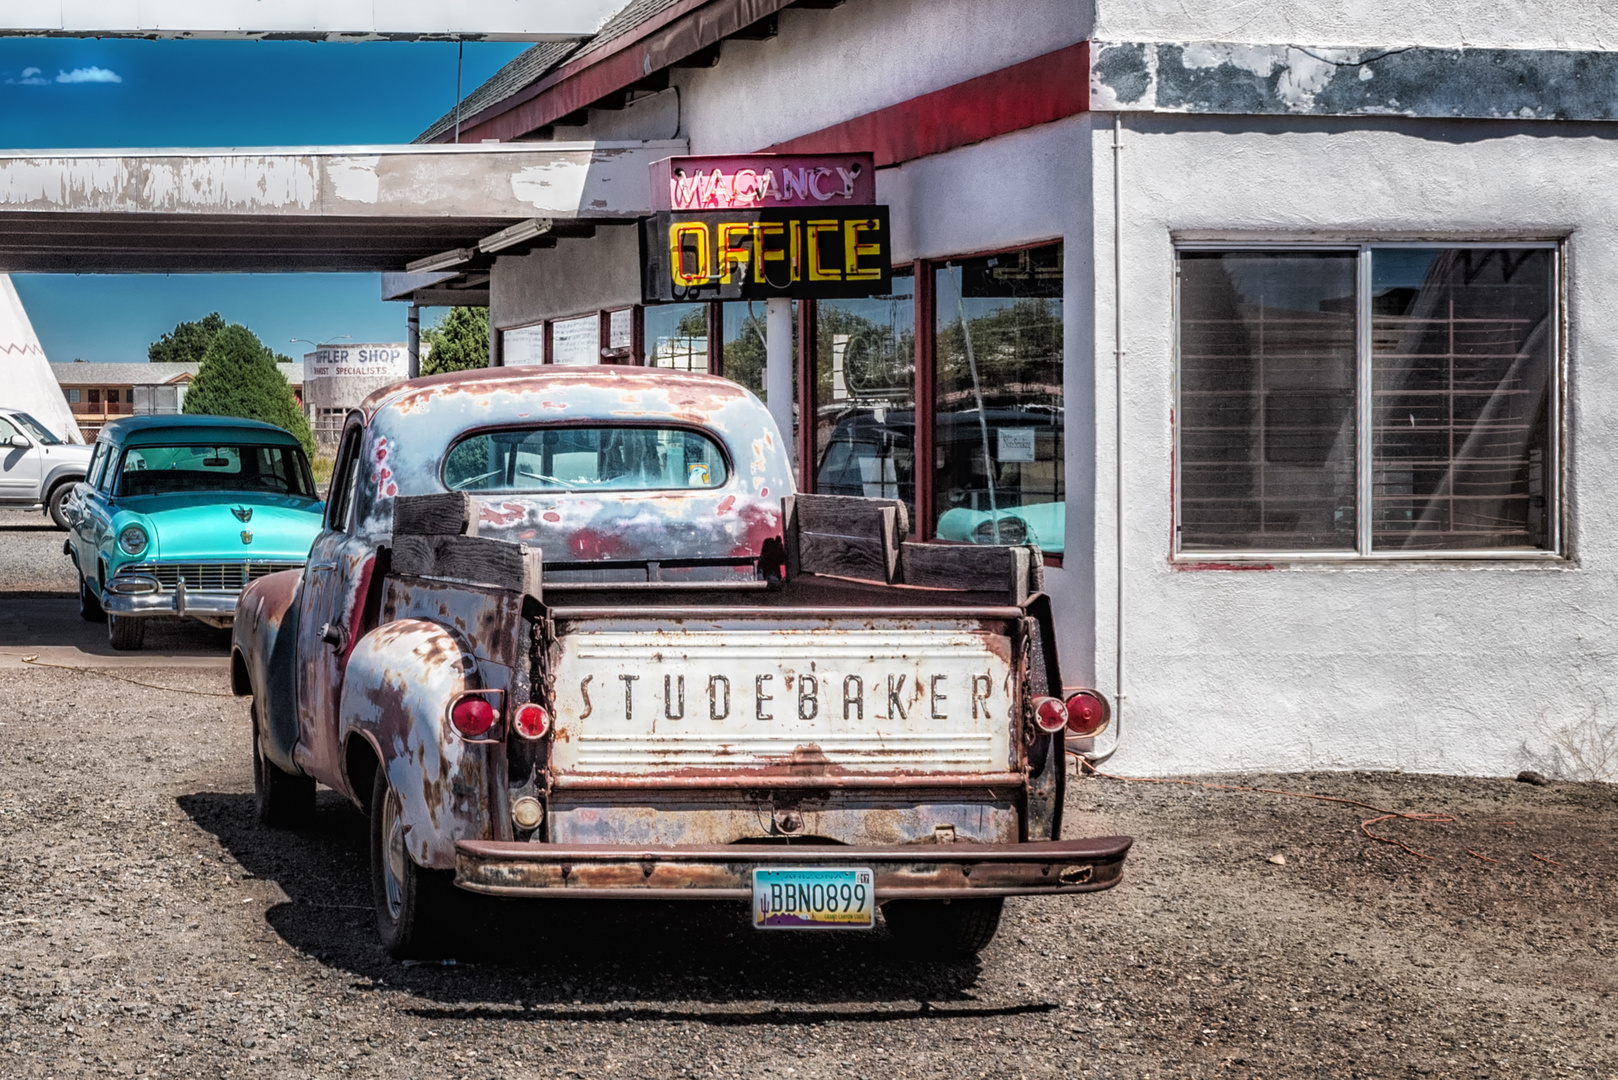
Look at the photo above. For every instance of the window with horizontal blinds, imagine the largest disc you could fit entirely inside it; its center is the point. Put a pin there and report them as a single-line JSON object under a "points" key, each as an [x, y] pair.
{"points": [[1267, 404], [1416, 414], [1461, 382]]}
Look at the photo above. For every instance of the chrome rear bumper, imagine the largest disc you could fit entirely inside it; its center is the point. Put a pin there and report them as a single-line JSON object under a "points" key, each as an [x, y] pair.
{"points": [[724, 872]]}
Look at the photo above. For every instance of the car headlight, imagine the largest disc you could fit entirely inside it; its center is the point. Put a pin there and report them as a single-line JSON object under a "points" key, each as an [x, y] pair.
{"points": [[132, 539]]}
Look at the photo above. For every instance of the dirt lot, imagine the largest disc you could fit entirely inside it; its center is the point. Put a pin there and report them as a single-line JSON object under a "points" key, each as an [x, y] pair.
{"points": [[149, 927]]}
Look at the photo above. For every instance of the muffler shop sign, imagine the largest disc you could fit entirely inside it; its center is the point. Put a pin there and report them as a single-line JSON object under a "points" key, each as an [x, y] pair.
{"points": [[818, 252]]}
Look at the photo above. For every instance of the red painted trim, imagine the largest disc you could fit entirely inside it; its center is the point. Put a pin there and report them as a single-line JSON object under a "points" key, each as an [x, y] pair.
{"points": [[716, 338], [1036, 91], [665, 39], [808, 379], [924, 470]]}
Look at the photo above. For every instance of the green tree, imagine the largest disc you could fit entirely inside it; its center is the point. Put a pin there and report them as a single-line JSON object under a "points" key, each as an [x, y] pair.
{"points": [[186, 343], [460, 341], [239, 377]]}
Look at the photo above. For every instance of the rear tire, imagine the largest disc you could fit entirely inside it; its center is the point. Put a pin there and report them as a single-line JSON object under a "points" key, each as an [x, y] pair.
{"points": [[284, 800], [56, 502], [90, 609], [944, 929], [126, 632], [415, 907]]}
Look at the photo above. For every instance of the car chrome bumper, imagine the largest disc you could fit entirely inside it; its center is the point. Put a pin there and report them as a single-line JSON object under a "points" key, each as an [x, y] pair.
{"points": [[180, 602], [725, 872]]}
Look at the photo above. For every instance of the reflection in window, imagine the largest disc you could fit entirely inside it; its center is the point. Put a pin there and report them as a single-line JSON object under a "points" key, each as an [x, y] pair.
{"points": [[865, 395], [585, 459], [677, 336], [745, 330], [1461, 397], [998, 468], [1267, 436]]}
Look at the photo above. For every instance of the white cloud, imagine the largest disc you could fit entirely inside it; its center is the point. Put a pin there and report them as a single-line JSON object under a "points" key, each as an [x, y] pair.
{"points": [[88, 75], [30, 77], [26, 72]]}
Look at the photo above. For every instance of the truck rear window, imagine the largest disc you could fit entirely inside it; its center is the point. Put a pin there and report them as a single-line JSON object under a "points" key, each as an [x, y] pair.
{"points": [[585, 459]]}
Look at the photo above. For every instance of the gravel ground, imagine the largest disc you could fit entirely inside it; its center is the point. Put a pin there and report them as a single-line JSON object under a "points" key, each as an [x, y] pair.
{"points": [[31, 559], [149, 927]]}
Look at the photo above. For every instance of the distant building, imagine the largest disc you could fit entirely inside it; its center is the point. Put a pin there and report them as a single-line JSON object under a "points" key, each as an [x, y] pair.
{"points": [[342, 376], [99, 392]]}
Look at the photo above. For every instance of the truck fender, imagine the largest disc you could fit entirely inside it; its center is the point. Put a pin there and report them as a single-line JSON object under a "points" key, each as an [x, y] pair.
{"points": [[263, 661], [401, 679]]}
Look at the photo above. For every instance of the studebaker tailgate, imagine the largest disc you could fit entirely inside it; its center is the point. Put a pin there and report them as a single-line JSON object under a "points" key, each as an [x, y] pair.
{"points": [[670, 697]]}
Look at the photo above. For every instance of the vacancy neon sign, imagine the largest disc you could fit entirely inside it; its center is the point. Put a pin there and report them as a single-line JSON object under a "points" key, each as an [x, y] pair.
{"points": [[763, 181]]}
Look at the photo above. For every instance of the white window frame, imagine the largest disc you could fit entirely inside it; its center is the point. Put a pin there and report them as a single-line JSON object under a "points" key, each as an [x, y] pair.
{"points": [[1362, 553]]}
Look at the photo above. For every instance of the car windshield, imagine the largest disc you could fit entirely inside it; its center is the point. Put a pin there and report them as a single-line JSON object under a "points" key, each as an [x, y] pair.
{"points": [[40, 432], [163, 470], [585, 459]]}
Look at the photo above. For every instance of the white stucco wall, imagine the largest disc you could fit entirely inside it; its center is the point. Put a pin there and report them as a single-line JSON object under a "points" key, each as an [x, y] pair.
{"points": [[1430, 667], [1516, 24], [579, 276], [828, 66]]}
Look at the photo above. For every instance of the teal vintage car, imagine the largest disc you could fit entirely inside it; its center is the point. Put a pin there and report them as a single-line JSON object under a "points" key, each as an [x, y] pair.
{"points": [[178, 513]]}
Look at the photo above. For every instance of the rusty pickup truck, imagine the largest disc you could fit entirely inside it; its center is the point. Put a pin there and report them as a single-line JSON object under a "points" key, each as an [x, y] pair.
{"points": [[572, 633]]}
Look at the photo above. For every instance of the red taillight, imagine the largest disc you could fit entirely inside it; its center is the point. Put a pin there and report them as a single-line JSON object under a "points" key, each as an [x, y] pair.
{"points": [[1087, 713], [472, 716], [1050, 714], [532, 721]]}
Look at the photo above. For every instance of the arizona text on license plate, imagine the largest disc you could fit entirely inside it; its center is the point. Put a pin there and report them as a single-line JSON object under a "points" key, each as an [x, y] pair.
{"points": [[813, 899]]}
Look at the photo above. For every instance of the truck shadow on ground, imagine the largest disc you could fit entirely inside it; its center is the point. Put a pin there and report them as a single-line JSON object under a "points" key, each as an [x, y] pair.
{"points": [[582, 960]]}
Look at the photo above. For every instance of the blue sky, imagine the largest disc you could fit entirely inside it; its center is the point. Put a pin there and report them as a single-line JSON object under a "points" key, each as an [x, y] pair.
{"points": [[87, 94]]}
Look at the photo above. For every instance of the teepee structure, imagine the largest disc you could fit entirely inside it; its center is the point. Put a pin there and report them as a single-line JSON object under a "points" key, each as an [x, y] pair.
{"points": [[26, 381]]}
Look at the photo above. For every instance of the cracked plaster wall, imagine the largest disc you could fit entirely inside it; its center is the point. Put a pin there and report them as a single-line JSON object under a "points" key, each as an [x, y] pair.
{"points": [[1516, 24]]}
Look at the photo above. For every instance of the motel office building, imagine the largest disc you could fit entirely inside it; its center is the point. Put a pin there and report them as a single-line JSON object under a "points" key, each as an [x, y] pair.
{"points": [[1290, 343]]}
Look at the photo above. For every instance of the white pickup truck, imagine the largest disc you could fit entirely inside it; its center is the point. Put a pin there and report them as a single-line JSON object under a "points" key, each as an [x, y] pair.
{"points": [[571, 633], [37, 469]]}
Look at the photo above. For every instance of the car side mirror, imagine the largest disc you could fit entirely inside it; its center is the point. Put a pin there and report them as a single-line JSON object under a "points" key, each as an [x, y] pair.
{"points": [[19, 442]]}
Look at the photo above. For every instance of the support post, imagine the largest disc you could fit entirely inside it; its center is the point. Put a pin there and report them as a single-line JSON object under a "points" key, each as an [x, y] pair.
{"points": [[778, 371], [413, 322]]}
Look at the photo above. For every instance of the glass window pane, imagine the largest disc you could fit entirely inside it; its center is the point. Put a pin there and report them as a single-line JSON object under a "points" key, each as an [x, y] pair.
{"points": [[585, 459], [162, 470], [744, 333], [865, 395], [1267, 382], [677, 336], [1462, 383], [998, 468]]}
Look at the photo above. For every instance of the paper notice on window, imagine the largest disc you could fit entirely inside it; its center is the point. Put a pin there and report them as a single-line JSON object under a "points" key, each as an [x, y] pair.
{"points": [[1016, 444], [522, 345], [576, 341]]}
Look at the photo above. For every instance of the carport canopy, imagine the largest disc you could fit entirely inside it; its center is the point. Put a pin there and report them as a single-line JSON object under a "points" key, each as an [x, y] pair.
{"points": [[441, 210], [302, 20]]}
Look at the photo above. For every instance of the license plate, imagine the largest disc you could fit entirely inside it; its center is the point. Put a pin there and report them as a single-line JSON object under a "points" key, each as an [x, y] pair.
{"points": [[813, 899]]}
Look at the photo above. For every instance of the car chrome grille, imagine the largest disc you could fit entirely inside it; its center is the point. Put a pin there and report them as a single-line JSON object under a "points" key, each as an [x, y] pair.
{"points": [[205, 576]]}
